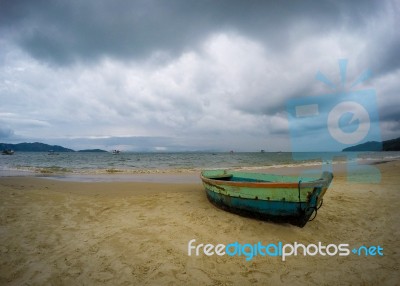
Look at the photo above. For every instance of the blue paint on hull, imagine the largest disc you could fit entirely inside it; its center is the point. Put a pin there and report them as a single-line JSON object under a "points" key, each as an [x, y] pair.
{"points": [[280, 211]]}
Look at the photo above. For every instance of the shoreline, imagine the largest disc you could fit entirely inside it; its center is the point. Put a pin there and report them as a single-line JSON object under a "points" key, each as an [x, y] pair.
{"points": [[115, 233], [138, 164], [191, 175]]}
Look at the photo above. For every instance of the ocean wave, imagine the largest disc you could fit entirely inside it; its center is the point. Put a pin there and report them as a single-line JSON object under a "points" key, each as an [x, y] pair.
{"points": [[177, 164], [54, 170]]}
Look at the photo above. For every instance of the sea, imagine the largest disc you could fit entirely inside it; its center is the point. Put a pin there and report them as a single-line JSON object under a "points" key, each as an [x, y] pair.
{"points": [[107, 165]]}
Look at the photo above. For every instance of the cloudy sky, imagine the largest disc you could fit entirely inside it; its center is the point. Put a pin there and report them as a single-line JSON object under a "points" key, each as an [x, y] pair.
{"points": [[193, 75]]}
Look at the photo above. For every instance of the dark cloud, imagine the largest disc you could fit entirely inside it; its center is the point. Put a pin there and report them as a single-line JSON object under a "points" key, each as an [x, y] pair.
{"points": [[391, 114], [66, 31], [146, 72], [385, 55], [6, 133]]}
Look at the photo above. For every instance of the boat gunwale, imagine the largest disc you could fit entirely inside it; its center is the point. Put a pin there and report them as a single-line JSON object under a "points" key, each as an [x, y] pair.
{"points": [[311, 184]]}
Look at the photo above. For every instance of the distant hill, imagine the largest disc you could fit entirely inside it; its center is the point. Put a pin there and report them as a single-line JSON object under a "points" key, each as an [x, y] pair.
{"points": [[392, 145], [34, 147], [92, 151], [388, 145]]}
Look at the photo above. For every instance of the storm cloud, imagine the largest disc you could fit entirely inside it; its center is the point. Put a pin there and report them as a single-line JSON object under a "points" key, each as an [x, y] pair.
{"points": [[69, 31], [199, 74]]}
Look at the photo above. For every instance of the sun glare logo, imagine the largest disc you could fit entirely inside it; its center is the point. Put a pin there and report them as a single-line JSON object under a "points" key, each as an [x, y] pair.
{"points": [[335, 121]]}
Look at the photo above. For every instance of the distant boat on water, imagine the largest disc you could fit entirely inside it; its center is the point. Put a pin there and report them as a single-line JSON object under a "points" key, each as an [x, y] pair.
{"points": [[7, 152], [51, 152], [116, 152]]}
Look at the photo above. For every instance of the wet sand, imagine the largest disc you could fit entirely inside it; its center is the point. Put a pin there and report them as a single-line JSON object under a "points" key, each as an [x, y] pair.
{"points": [[136, 233]]}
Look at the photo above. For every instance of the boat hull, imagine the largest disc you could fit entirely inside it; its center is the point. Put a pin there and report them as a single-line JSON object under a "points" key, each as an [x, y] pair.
{"points": [[285, 202]]}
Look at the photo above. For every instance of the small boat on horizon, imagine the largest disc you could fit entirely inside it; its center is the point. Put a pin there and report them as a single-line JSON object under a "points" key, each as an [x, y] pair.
{"points": [[116, 152], [7, 152], [278, 198]]}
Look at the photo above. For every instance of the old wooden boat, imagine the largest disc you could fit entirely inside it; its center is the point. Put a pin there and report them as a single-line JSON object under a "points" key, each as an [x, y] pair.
{"points": [[266, 196]]}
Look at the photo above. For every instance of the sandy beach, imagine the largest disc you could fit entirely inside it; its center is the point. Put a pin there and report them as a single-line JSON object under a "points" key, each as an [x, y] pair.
{"points": [[56, 232]]}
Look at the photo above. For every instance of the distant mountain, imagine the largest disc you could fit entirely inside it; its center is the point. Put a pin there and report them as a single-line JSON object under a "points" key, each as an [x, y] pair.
{"points": [[367, 146], [392, 145], [93, 151], [388, 145], [33, 147]]}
